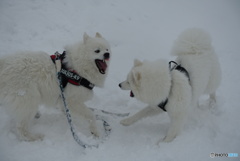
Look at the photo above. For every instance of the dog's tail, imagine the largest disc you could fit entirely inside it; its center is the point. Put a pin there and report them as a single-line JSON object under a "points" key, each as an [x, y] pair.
{"points": [[192, 41]]}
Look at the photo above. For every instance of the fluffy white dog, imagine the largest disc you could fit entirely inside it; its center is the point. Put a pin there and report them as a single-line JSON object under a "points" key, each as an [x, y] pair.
{"points": [[28, 79], [174, 87]]}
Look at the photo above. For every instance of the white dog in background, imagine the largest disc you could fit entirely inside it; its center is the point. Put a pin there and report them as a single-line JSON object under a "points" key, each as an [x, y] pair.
{"points": [[175, 89], [28, 79]]}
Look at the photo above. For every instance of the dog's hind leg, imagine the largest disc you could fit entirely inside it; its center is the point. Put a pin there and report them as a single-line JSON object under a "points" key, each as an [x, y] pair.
{"points": [[213, 97], [178, 119], [212, 100], [25, 115], [25, 134], [174, 129], [148, 111]]}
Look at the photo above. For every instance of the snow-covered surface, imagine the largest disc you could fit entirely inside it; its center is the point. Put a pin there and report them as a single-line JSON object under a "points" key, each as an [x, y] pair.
{"points": [[135, 29]]}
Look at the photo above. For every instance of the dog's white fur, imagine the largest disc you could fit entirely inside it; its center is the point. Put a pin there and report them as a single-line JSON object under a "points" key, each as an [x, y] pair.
{"points": [[28, 79], [153, 82]]}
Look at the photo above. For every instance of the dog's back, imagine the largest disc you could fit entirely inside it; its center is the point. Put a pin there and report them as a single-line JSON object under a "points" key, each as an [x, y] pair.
{"points": [[196, 54], [25, 75]]}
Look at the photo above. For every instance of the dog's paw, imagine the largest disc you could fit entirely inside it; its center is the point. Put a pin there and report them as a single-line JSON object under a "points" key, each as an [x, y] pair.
{"points": [[93, 128], [212, 104], [167, 139], [164, 140], [25, 135], [38, 137], [126, 122], [94, 132], [32, 137], [37, 116]]}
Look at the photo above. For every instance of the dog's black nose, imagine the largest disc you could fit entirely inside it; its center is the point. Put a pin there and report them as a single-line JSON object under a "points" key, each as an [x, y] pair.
{"points": [[120, 85], [106, 56]]}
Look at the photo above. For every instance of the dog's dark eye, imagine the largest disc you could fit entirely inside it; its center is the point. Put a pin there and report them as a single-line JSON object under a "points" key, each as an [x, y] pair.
{"points": [[97, 51]]}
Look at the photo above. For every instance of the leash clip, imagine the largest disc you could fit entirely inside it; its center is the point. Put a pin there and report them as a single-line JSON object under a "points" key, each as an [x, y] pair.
{"points": [[58, 61]]}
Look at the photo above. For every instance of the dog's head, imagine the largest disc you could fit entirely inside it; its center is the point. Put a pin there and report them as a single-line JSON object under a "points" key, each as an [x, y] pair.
{"points": [[98, 50], [132, 82], [148, 82], [90, 58]]}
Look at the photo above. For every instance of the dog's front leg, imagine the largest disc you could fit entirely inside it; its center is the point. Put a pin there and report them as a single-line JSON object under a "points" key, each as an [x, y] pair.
{"points": [[90, 117], [92, 123], [146, 112], [82, 110], [177, 122]]}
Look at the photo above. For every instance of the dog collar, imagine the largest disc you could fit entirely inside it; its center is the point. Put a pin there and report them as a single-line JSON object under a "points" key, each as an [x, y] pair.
{"points": [[70, 76]]}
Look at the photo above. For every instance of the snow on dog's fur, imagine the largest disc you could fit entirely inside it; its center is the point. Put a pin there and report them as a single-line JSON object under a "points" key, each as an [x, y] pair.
{"points": [[154, 82], [28, 79]]}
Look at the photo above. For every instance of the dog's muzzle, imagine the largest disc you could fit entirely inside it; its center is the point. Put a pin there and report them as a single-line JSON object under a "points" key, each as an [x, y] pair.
{"points": [[131, 93]]}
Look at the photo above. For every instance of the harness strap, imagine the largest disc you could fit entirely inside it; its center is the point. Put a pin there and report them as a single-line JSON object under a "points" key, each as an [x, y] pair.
{"points": [[179, 68], [182, 70], [75, 79], [163, 104], [70, 76]]}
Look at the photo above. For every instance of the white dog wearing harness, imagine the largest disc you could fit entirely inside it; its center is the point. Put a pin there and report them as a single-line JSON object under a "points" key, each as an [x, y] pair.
{"points": [[29, 79], [174, 87]]}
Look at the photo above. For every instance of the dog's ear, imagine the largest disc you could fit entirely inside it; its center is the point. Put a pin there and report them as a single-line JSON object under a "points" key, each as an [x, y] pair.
{"points": [[85, 37], [137, 63], [98, 35], [136, 75]]}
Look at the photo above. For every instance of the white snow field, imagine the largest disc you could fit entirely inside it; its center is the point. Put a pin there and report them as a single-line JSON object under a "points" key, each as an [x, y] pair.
{"points": [[135, 29]]}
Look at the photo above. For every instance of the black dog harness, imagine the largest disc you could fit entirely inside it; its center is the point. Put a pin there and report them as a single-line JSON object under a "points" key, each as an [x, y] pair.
{"points": [[70, 76], [180, 69], [163, 104]]}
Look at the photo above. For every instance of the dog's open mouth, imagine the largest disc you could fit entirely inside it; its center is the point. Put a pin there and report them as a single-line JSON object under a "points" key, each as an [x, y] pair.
{"points": [[101, 65], [131, 94]]}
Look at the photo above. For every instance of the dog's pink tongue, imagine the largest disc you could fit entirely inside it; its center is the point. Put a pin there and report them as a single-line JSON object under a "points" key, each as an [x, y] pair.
{"points": [[103, 65]]}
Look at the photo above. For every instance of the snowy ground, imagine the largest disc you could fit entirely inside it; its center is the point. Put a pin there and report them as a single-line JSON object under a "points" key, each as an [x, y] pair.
{"points": [[135, 29]]}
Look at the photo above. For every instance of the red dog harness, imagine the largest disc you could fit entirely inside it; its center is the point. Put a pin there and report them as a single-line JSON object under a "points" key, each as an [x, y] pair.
{"points": [[70, 75]]}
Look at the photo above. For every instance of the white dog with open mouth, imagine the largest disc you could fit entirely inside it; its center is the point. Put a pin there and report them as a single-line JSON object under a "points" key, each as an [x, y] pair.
{"points": [[175, 86], [28, 79]]}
